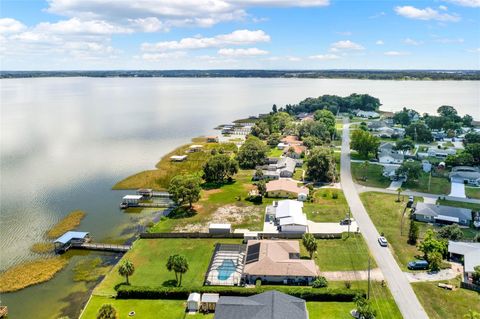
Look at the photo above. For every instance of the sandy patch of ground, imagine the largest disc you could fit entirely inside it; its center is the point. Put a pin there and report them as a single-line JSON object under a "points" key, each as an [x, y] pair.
{"points": [[207, 193], [226, 214]]}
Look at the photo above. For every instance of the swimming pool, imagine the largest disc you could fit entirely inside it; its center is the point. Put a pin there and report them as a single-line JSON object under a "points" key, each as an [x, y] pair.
{"points": [[226, 269]]}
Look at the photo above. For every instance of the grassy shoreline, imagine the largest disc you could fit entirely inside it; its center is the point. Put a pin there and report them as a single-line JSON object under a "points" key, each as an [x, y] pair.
{"points": [[69, 222]]}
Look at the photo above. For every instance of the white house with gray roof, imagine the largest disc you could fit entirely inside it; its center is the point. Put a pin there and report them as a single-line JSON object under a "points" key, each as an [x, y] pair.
{"points": [[465, 174], [288, 216], [267, 305], [440, 214], [284, 167], [468, 252]]}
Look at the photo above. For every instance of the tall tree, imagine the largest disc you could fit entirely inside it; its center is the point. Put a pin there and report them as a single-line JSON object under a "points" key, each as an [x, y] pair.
{"points": [[179, 265], [404, 145], [419, 132], [185, 189], [431, 243], [447, 111], [107, 311], [219, 168], [326, 117], [252, 153], [126, 269], [451, 232], [310, 243], [410, 169], [321, 165], [413, 233], [364, 143], [365, 166], [262, 187]]}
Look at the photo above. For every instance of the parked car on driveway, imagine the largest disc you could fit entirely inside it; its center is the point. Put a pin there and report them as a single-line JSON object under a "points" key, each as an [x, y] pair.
{"points": [[417, 265], [382, 241]]}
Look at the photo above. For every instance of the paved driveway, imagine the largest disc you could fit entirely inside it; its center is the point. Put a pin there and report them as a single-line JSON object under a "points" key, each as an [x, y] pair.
{"points": [[394, 185], [458, 190], [398, 283]]}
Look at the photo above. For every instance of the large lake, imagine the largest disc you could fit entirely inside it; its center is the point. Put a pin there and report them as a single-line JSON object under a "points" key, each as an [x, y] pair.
{"points": [[66, 141]]}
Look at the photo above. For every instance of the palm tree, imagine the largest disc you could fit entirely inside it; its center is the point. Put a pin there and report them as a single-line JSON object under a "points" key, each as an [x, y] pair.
{"points": [[107, 312], [364, 166], [179, 265], [310, 243], [126, 269]]}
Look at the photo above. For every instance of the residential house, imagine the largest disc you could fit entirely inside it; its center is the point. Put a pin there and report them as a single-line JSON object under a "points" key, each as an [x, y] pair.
{"points": [[465, 174], [469, 253], [439, 214], [387, 146], [294, 148], [282, 146], [375, 125], [278, 261], [426, 166], [390, 132], [270, 304], [285, 188], [367, 114], [390, 171], [390, 157], [212, 139], [288, 216], [284, 167], [438, 135], [440, 153]]}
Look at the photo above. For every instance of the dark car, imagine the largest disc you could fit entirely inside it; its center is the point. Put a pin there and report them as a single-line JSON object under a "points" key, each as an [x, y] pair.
{"points": [[346, 221], [418, 265]]}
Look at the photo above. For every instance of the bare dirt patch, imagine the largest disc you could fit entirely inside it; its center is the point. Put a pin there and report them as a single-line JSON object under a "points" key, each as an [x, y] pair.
{"points": [[230, 214]]}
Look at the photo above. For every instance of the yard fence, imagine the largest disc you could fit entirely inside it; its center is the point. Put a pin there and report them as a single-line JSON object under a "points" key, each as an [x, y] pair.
{"points": [[470, 286], [238, 235]]}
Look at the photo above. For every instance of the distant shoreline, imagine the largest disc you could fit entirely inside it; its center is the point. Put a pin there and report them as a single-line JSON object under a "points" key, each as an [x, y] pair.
{"points": [[404, 75]]}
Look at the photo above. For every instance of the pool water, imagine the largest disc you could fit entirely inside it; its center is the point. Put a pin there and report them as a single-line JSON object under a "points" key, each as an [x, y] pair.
{"points": [[226, 269]]}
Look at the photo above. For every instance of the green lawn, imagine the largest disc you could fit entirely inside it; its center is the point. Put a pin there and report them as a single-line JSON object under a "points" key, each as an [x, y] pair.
{"points": [[149, 257], [472, 192], [347, 254], [453, 203], [438, 185], [275, 152], [325, 208], [233, 194], [373, 174], [145, 309], [440, 303], [386, 214]]}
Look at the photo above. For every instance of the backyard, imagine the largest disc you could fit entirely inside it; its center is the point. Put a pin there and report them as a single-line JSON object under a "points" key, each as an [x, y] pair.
{"points": [[373, 174], [445, 304], [329, 205]]}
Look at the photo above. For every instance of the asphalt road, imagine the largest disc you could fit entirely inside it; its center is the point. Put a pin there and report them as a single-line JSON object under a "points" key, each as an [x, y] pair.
{"points": [[398, 283]]}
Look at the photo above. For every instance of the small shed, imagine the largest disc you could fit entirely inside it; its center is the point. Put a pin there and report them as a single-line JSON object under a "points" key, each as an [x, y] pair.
{"points": [[250, 236], [195, 148], [209, 301], [219, 228], [193, 302], [212, 139], [145, 192], [178, 158], [302, 197], [64, 242]]}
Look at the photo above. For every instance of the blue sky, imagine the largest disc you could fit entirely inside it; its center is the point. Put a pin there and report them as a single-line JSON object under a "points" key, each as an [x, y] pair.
{"points": [[260, 34]]}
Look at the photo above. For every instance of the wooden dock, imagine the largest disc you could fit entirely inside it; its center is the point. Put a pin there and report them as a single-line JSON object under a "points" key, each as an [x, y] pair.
{"points": [[153, 205], [3, 311], [102, 247], [161, 194]]}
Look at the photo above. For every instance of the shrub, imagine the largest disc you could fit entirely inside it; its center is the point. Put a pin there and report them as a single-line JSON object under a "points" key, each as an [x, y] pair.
{"points": [[258, 283], [320, 282], [181, 293], [334, 195], [348, 284]]}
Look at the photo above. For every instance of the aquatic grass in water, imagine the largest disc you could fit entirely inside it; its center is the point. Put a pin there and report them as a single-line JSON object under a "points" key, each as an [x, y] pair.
{"points": [[31, 273], [89, 269], [42, 248], [69, 222]]}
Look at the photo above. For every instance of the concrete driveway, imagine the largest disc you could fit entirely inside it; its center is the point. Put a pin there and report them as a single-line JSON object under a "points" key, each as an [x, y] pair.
{"points": [[444, 274], [457, 190], [394, 185]]}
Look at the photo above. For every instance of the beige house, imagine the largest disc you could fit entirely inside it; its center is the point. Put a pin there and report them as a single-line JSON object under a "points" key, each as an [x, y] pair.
{"points": [[286, 188], [277, 261]]}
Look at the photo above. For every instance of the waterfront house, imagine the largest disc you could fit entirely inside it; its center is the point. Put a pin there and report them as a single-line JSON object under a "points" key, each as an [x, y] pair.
{"points": [[285, 188], [270, 304], [465, 174], [467, 252], [178, 158], [288, 216], [439, 214], [278, 261]]}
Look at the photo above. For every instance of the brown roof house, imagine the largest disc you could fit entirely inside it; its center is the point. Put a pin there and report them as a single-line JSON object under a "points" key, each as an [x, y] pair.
{"points": [[295, 147], [277, 261], [286, 188]]}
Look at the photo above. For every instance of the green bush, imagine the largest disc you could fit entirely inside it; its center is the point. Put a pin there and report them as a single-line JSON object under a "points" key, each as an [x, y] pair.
{"points": [[320, 282], [258, 283], [306, 293]]}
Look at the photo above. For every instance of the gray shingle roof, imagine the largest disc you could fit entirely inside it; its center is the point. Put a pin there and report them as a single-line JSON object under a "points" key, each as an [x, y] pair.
{"points": [[435, 210], [268, 305]]}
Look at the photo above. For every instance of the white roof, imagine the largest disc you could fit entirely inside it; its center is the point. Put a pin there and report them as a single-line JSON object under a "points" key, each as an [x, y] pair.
{"points": [[178, 156], [132, 197], [470, 252], [209, 297], [288, 208], [194, 296], [220, 226], [447, 218], [294, 220], [196, 146]]}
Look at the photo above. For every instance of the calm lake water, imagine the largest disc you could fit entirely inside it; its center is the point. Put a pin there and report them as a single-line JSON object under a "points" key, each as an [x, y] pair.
{"points": [[65, 142]]}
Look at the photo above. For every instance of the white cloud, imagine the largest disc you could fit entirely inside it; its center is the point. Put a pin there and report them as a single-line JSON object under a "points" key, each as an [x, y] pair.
{"points": [[241, 52], [238, 37], [379, 42], [150, 24], [155, 57], [444, 8], [9, 25], [345, 45], [395, 53], [425, 14], [476, 50], [76, 26], [324, 57], [378, 15], [449, 40], [409, 41], [466, 3], [172, 13]]}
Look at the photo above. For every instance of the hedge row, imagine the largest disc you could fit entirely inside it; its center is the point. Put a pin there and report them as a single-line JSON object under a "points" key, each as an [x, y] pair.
{"points": [[309, 294]]}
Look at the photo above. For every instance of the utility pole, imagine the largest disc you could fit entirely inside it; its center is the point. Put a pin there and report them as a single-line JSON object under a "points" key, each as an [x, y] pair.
{"points": [[349, 222], [429, 179], [368, 291]]}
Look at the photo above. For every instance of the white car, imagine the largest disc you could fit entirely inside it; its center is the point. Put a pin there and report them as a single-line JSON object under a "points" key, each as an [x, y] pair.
{"points": [[382, 241]]}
